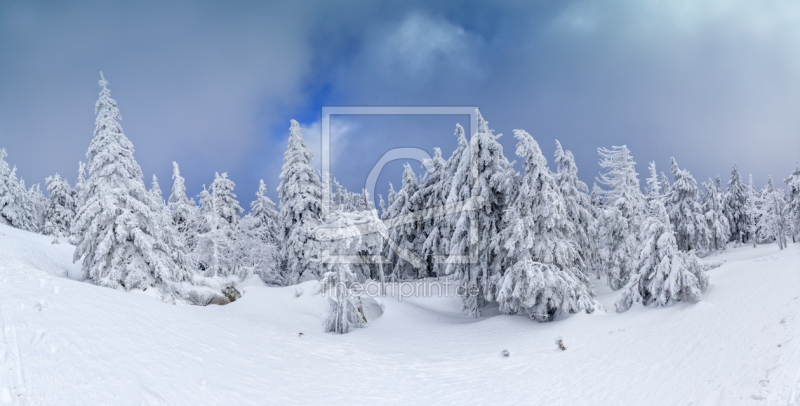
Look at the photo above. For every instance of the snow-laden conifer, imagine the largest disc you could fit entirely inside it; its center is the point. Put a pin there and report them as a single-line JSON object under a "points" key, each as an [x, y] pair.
{"points": [[183, 211], [39, 202], [345, 308], [301, 208], [772, 215], [215, 251], [735, 206], [404, 234], [596, 197], [486, 175], [653, 189], [538, 263], [118, 236], [752, 212], [29, 216], [16, 206], [576, 200], [793, 201], [432, 193], [665, 274], [259, 239], [713, 208], [685, 213], [618, 224], [59, 210]]}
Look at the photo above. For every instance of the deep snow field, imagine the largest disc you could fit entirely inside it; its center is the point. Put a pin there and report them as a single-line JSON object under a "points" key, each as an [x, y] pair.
{"points": [[66, 342]]}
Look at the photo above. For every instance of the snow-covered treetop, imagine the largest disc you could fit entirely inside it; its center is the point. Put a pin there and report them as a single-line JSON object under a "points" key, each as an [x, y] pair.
{"points": [[111, 163], [155, 190], [653, 183], [300, 188], [622, 180], [225, 203], [178, 187]]}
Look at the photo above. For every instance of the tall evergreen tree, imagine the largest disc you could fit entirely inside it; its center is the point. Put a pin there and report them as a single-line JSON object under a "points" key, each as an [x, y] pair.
{"points": [[16, 207], [793, 197], [576, 200], [653, 184], [215, 251], [488, 180], [685, 212], [60, 208], [118, 237], [752, 210], [301, 207], [735, 202], [183, 210], [772, 221], [404, 234], [259, 239], [537, 267], [618, 224], [29, 216], [716, 221], [432, 193]]}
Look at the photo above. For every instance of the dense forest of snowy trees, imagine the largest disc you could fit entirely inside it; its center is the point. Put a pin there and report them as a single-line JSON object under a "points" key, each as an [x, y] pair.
{"points": [[534, 237]]}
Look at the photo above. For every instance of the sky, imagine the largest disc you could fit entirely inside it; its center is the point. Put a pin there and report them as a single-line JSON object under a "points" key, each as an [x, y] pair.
{"points": [[213, 85]]}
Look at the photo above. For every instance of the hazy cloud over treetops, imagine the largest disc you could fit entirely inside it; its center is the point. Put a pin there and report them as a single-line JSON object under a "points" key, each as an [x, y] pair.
{"points": [[213, 87]]}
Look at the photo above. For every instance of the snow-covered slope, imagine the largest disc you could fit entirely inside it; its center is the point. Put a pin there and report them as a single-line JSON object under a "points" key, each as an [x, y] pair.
{"points": [[66, 342]]}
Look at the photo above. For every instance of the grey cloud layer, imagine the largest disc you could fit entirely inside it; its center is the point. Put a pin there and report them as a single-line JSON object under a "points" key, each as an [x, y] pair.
{"points": [[213, 87]]}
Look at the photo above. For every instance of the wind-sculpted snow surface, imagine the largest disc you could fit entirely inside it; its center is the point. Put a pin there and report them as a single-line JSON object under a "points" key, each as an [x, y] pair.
{"points": [[65, 342]]}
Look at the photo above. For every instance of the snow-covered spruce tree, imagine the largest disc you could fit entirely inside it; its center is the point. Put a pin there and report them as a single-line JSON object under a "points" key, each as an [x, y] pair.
{"points": [[432, 193], [772, 220], [39, 202], [665, 188], [486, 175], [453, 181], [665, 274], [716, 221], [29, 214], [301, 207], [576, 201], [404, 235], [537, 267], [79, 197], [598, 202], [6, 199], [685, 212], [619, 222], [80, 185], [183, 211], [766, 191], [168, 231], [735, 202], [215, 252], [793, 201], [16, 207], [117, 231], [752, 211], [339, 198], [267, 219], [344, 315], [653, 188], [59, 210], [346, 309], [596, 229], [259, 239]]}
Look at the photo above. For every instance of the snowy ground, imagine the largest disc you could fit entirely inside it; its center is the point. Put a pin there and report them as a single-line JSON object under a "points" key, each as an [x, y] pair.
{"points": [[65, 342]]}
